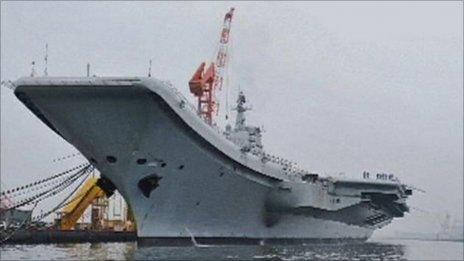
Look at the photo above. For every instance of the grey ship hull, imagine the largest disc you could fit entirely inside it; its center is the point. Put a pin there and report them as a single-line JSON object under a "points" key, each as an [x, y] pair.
{"points": [[184, 182]]}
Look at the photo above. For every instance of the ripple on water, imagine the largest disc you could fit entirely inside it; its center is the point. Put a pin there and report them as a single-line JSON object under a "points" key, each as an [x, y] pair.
{"points": [[381, 250]]}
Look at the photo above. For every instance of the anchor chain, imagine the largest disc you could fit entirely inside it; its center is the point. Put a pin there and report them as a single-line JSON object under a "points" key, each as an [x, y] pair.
{"points": [[84, 171], [37, 188], [53, 191], [63, 203], [67, 157], [42, 181]]}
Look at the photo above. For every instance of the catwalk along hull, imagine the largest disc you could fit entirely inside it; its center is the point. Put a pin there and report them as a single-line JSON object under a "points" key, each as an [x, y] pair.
{"points": [[183, 180]]}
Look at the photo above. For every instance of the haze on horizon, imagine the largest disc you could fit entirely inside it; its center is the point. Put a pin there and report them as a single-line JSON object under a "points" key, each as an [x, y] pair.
{"points": [[339, 86]]}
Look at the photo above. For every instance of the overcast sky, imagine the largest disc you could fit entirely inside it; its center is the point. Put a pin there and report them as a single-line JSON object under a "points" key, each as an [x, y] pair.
{"points": [[338, 86]]}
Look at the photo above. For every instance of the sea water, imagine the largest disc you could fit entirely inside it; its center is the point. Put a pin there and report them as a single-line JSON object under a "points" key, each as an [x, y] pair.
{"points": [[371, 250]]}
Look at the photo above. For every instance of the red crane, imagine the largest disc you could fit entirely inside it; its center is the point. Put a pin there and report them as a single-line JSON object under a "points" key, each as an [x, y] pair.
{"points": [[205, 82]]}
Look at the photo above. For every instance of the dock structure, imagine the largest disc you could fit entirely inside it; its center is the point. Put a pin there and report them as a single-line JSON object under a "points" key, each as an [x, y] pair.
{"points": [[69, 236]]}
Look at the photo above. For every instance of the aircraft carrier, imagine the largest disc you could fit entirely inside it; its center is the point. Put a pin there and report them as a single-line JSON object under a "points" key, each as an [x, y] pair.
{"points": [[187, 180], [184, 178]]}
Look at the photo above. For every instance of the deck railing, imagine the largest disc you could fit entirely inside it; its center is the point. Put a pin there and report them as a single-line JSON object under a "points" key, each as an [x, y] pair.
{"points": [[289, 167], [190, 106]]}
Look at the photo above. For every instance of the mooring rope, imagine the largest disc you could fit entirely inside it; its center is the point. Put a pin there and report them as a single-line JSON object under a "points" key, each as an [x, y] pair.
{"points": [[26, 223], [54, 189], [43, 180], [67, 157], [63, 203]]}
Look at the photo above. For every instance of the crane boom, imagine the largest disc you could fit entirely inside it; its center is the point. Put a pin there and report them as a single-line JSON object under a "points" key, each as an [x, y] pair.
{"points": [[222, 55], [92, 189], [204, 83], [86, 195]]}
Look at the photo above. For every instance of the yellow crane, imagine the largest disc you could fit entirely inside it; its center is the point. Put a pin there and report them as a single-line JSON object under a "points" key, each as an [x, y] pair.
{"points": [[91, 190]]}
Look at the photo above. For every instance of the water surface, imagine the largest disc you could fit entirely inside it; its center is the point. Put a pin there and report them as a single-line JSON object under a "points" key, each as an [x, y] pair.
{"points": [[372, 250]]}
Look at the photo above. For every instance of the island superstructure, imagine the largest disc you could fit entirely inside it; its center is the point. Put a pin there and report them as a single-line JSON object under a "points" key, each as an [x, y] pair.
{"points": [[184, 178]]}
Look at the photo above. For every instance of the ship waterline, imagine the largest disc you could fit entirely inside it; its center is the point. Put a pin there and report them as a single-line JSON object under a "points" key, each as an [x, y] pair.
{"points": [[185, 181]]}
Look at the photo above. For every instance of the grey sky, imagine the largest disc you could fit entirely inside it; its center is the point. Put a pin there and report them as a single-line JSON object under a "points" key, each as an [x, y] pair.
{"points": [[338, 86]]}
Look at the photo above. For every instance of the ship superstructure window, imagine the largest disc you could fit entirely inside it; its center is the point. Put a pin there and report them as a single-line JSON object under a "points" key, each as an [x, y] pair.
{"points": [[111, 159]]}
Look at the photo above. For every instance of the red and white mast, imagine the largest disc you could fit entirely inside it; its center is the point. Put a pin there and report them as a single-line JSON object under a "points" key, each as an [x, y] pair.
{"points": [[205, 82], [222, 55]]}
